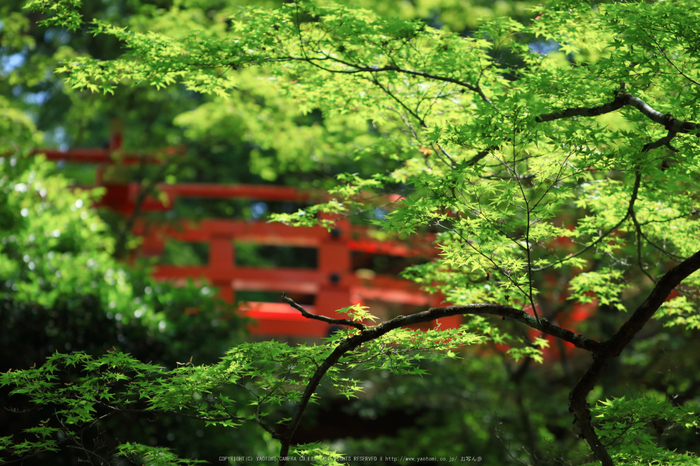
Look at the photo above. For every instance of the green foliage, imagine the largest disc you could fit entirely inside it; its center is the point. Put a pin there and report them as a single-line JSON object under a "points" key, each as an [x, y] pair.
{"points": [[155, 456], [634, 428], [318, 455], [63, 13], [600, 285], [331, 210], [551, 182], [56, 247], [62, 288], [88, 388], [358, 313], [681, 312]]}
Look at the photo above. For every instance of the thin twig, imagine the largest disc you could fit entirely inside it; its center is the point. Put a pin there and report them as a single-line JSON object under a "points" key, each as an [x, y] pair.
{"points": [[663, 52], [633, 198], [325, 319]]}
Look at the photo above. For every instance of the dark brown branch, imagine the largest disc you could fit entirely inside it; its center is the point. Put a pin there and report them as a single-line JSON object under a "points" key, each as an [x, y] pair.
{"points": [[630, 210], [545, 326], [664, 141], [673, 125], [376, 69], [325, 319], [480, 155], [656, 298], [639, 236], [603, 353], [372, 333], [612, 348], [616, 104]]}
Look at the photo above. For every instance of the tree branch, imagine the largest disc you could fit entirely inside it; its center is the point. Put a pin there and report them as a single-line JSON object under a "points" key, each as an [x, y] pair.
{"points": [[673, 125], [663, 52], [372, 333], [612, 348], [376, 69], [630, 210], [603, 352], [480, 155], [325, 319], [616, 104]]}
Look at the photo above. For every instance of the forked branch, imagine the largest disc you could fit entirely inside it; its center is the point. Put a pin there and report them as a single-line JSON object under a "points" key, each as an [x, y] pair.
{"points": [[371, 333], [673, 125], [612, 348]]}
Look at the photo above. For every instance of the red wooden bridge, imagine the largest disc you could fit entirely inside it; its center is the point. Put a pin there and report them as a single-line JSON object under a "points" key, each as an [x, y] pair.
{"points": [[338, 280], [334, 283]]}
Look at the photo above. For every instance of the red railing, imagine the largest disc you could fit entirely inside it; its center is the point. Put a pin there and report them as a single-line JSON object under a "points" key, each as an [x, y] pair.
{"points": [[334, 283]]}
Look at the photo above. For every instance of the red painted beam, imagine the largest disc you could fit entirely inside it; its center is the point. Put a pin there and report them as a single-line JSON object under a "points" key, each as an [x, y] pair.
{"points": [[246, 278], [123, 197], [274, 319], [105, 156], [391, 248], [290, 280], [334, 284], [278, 234], [230, 191], [416, 298], [240, 230]]}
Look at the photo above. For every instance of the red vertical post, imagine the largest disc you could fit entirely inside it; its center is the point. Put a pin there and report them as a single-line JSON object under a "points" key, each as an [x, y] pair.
{"points": [[116, 139], [152, 243], [117, 136], [221, 264], [335, 265]]}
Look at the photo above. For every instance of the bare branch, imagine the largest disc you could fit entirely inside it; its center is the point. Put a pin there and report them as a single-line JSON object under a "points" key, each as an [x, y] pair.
{"points": [[639, 235], [480, 155], [325, 319], [577, 340], [663, 52], [616, 104]]}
